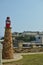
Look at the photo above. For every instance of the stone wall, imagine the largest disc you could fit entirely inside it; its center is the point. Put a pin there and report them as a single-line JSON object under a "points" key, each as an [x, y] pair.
{"points": [[26, 50]]}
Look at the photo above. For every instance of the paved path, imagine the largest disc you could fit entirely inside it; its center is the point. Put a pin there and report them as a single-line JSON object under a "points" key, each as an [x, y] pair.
{"points": [[16, 57], [31, 53]]}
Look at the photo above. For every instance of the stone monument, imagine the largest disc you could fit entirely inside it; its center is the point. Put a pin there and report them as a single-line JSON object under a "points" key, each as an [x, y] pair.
{"points": [[7, 52]]}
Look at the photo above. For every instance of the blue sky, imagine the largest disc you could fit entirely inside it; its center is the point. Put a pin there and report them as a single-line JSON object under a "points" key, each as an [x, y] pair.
{"points": [[26, 15]]}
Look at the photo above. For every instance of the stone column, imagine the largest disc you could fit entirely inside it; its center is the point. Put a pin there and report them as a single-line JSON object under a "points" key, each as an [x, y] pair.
{"points": [[8, 45], [20, 45]]}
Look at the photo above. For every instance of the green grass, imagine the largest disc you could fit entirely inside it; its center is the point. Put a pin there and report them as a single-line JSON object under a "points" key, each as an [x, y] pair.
{"points": [[35, 59]]}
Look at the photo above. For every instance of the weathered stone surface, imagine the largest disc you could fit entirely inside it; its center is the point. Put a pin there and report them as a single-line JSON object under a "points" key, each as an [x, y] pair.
{"points": [[7, 45]]}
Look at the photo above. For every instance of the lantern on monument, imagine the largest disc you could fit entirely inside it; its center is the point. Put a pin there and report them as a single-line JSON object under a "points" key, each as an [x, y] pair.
{"points": [[8, 22]]}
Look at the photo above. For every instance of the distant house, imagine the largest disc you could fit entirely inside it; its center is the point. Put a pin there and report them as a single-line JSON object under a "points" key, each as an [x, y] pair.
{"points": [[38, 38]]}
